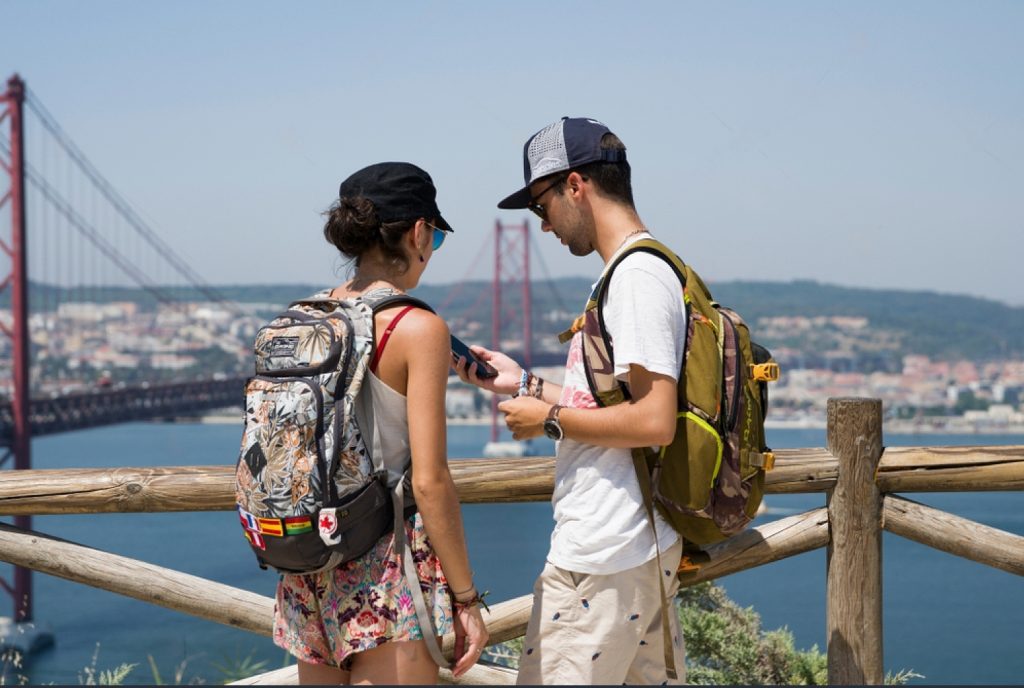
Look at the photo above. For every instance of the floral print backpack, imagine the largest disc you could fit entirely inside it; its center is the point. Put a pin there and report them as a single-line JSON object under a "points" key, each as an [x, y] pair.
{"points": [[310, 494]]}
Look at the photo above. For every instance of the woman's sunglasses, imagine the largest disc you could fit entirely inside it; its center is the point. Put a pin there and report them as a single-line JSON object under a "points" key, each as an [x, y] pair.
{"points": [[439, 235]]}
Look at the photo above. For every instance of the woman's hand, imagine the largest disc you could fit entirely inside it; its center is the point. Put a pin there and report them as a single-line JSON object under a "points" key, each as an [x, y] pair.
{"points": [[509, 372], [470, 637]]}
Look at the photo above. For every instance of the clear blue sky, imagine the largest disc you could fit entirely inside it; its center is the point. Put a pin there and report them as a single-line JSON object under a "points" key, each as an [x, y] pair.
{"points": [[872, 144]]}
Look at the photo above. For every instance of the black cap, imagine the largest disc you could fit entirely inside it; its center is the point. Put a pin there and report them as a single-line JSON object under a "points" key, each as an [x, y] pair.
{"points": [[558, 147], [399, 191]]}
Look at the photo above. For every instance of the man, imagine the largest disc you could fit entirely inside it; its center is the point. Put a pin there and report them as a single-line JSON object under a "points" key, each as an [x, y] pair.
{"points": [[598, 607]]}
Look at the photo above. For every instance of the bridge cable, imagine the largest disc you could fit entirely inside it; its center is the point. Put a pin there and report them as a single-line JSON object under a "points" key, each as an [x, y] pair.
{"points": [[124, 207], [458, 287], [85, 230]]}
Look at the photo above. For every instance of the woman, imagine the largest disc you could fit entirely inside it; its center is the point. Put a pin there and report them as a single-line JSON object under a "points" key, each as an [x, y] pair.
{"points": [[355, 624]]}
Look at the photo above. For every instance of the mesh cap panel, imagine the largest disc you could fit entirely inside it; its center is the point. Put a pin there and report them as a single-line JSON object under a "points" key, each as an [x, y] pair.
{"points": [[547, 153]]}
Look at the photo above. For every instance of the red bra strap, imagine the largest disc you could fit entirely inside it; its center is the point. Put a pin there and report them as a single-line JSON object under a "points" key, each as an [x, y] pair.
{"points": [[384, 338]]}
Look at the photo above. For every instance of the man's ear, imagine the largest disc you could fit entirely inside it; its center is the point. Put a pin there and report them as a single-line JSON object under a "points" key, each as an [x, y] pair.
{"points": [[574, 182]]}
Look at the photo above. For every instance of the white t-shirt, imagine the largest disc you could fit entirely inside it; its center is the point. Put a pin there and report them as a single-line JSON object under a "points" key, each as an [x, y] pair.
{"points": [[601, 524]]}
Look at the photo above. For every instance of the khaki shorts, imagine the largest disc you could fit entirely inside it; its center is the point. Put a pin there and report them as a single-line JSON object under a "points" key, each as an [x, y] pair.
{"points": [[595, 629]]}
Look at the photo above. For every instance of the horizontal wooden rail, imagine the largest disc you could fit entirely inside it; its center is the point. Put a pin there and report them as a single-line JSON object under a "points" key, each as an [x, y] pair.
{"points": [[505, 621], [211, 488], [954, 534], [192, 595], [164, 587], [770, 542], [951, 469]]}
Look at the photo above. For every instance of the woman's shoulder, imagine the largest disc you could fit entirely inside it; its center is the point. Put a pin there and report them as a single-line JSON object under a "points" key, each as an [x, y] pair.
{"points": [[420, 322]]}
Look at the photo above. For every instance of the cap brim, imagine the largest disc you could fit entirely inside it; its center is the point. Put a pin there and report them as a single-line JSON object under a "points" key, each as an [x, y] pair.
{"points": [[520, 199], [443, 224]]}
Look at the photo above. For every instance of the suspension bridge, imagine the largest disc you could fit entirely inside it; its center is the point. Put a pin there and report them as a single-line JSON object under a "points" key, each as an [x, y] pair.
{"points": [[103, 322]]}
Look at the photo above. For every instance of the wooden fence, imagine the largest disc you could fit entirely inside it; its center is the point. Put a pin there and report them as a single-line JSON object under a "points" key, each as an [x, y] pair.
{"points": [[858, 476]]}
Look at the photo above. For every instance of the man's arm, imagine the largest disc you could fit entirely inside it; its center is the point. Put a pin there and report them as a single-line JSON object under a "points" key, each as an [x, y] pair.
{"points": [[648, 419]]}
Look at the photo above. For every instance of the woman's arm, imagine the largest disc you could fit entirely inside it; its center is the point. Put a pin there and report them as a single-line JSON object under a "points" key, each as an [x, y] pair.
{"points": [[425, 346]]}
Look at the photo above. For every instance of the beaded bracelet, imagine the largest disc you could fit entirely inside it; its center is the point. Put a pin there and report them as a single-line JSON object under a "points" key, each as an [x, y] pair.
{"points": [[524, 384], [538, 391], [463, 592], [477, 600]]}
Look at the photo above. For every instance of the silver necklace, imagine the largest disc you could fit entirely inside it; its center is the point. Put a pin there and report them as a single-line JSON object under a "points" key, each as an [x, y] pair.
{"points": [[641, 230]]}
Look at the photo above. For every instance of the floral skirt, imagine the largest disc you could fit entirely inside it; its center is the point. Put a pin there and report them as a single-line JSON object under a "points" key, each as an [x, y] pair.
{"points": [[327, 617]]}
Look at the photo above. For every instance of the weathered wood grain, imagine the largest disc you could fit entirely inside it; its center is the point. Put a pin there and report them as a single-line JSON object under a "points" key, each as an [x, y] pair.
{"points": [[505, 621], [801, 470], [954, 534], [854, 574], [181, 592], [211, 488], [115, 490], [951, 469], [769, 542]]}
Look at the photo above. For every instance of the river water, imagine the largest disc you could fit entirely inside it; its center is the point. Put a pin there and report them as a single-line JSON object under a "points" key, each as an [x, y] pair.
{"points": [[952, 620]]}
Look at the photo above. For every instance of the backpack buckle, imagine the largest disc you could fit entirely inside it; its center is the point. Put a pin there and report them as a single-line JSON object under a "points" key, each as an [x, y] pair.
{"points": [[691, 562], [763, 460], [764, 372]]}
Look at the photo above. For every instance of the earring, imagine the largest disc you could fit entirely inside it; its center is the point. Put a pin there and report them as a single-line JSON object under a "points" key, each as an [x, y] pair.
{"points": [[421, 257]]}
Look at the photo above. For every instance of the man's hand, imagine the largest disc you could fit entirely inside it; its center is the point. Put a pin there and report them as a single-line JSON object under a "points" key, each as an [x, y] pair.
{"points": [[525, 416], [509, 372]]}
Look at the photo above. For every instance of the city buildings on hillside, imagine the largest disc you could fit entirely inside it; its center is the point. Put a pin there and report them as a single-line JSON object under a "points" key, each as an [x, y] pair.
{"points": [[80, 345]]}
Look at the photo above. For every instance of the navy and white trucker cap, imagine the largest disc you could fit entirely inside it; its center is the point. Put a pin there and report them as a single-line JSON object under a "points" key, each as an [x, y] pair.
{"points": [[564, 145]]}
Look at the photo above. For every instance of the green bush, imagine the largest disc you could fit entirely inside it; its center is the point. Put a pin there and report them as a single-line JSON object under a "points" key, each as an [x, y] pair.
{"points": [[725, 645]]}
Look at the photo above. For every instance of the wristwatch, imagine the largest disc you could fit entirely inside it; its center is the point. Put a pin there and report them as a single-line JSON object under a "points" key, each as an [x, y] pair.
{"points": [[552, 428]]}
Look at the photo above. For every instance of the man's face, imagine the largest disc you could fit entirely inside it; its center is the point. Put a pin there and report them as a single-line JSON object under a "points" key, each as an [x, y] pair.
{"points": [[560, 216]]}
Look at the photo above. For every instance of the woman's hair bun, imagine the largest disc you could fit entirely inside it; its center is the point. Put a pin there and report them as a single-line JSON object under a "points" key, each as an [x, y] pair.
{"points": [[352, 225]]}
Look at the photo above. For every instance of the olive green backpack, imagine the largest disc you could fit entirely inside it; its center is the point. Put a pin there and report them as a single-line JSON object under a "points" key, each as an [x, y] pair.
{"points": [[708, 483]]}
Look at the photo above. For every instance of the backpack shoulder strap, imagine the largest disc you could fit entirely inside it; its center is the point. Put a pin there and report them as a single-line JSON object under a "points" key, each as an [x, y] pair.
{"points": [[652, 246], [595, 309], [385, 297]]}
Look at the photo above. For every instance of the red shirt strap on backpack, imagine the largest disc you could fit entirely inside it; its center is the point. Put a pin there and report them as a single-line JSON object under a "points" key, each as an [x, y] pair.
{"points": [[384, 338]]}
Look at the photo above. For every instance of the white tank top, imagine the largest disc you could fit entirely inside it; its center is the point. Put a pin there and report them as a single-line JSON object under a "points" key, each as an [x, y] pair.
{"points": [[390, 428], [391, 422]]}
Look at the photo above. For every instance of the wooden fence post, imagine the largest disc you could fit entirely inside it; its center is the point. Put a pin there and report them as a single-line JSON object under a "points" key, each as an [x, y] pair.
{"points": [[854, 608]]}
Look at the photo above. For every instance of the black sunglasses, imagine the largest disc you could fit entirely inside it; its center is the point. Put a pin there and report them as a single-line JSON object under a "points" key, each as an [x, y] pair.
{"points": [[535, 207]]}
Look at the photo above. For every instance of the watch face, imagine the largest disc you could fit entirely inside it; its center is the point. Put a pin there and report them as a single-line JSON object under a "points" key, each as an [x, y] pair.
{"points": [[553, 429]]}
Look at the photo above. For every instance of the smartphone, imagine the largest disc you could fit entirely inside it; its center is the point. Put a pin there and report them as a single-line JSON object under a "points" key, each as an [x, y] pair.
{"points": [[483, 370]]}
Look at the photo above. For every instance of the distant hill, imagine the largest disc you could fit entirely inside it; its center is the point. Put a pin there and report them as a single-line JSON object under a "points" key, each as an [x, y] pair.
{"points": [[943, 326]]}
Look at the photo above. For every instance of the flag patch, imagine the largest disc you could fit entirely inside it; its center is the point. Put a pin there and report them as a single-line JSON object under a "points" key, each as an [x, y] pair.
{"points": [[297, 525], [255, 539], [248, 520], [271, 526]]}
